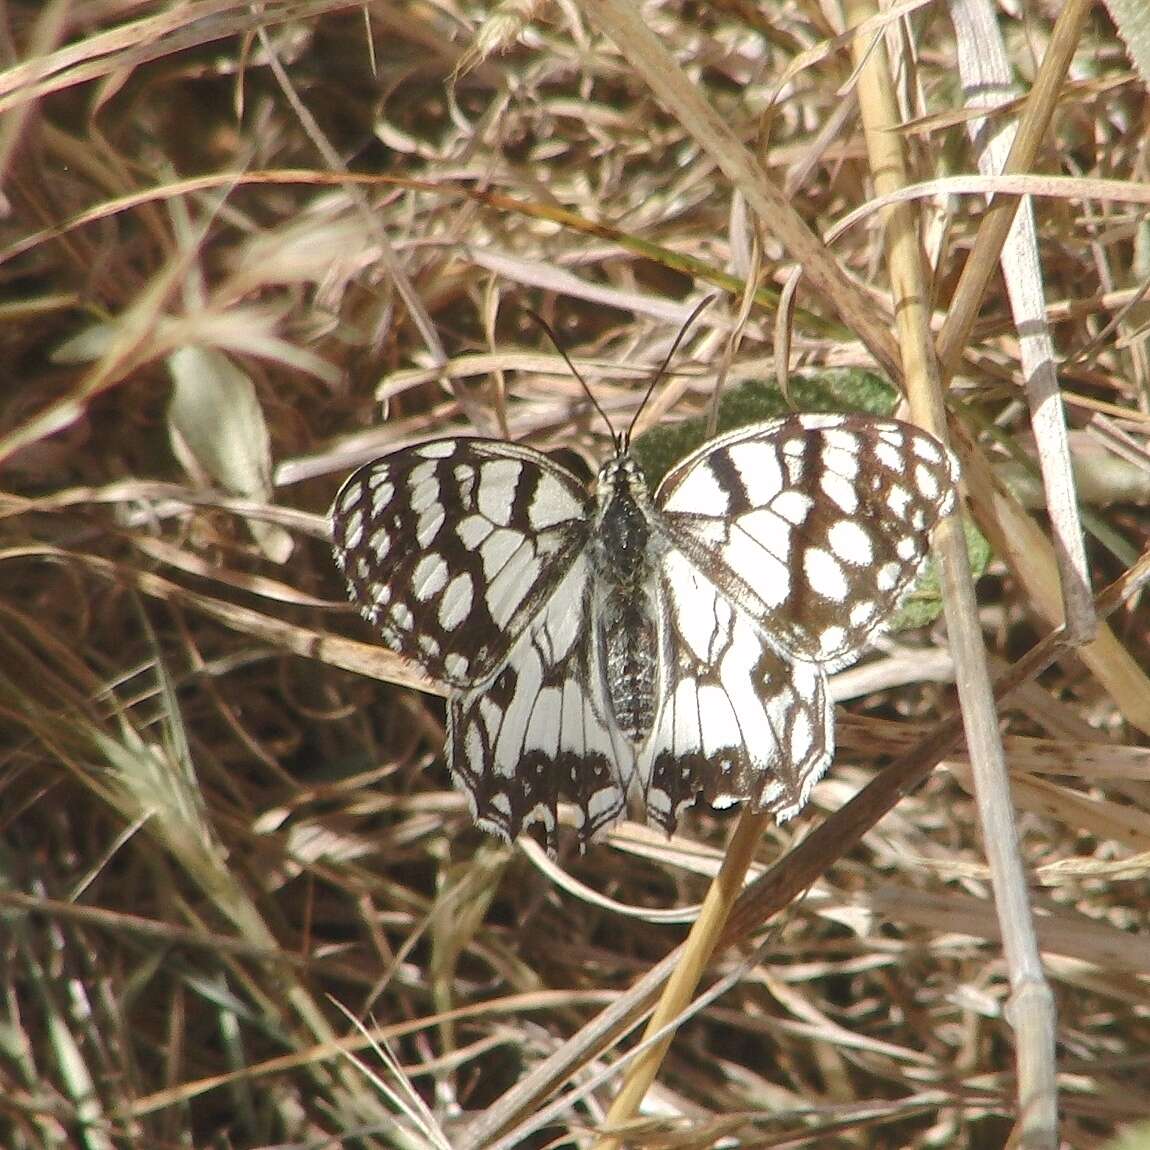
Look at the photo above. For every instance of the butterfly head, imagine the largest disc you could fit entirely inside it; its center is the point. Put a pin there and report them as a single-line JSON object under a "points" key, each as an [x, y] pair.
{"points": [[621, 477]]}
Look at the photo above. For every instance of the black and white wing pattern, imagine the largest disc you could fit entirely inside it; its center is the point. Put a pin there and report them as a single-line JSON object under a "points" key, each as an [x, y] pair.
{"points": [[793, 543], [468, 555], [621, 646]]}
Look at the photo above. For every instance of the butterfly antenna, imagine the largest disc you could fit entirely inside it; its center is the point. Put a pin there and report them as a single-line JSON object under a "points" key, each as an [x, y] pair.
{"points": [[550, 333], [698, 310]]}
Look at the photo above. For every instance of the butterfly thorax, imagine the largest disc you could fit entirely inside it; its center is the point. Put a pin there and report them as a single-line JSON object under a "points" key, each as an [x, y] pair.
{"points": [[624, 553]]}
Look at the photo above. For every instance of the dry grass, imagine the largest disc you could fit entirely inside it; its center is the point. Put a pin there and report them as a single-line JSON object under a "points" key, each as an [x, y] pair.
{"points": [[223, 839]]}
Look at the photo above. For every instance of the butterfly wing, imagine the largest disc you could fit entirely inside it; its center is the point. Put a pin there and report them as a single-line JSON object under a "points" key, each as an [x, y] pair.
{"points": [[451, 548], [468, 556], [816, 525], [542, 730], [739, 720], [790, 544]]}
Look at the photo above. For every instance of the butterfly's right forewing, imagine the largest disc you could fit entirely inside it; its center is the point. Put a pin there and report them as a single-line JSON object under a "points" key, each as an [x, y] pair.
{"points": [[816, 525], [451, 548]]}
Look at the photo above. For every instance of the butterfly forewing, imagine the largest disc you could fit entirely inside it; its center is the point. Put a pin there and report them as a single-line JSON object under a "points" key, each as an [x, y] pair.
{"points": [[451, 549], [816, 525]]}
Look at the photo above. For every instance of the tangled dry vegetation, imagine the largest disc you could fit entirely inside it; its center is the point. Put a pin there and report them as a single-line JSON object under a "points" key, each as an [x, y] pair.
{"points": [[246, 248]]}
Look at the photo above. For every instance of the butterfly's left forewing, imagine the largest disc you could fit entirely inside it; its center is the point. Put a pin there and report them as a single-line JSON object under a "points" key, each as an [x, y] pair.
{"points": [[451, 548]]}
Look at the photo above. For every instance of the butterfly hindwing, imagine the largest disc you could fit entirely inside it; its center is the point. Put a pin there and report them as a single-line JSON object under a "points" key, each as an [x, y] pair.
{"points": [[739, 720], [542, 730]]}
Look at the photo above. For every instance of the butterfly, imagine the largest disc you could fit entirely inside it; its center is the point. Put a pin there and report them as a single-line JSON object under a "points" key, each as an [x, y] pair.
{"points": [[617, 645]]}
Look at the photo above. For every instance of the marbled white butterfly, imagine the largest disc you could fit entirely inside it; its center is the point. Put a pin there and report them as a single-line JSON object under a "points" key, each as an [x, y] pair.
{"points": [[612, 645]]}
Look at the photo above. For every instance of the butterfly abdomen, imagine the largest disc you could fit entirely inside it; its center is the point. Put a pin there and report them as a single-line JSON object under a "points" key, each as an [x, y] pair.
{"points": [[622, 559], [629, 656]]}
